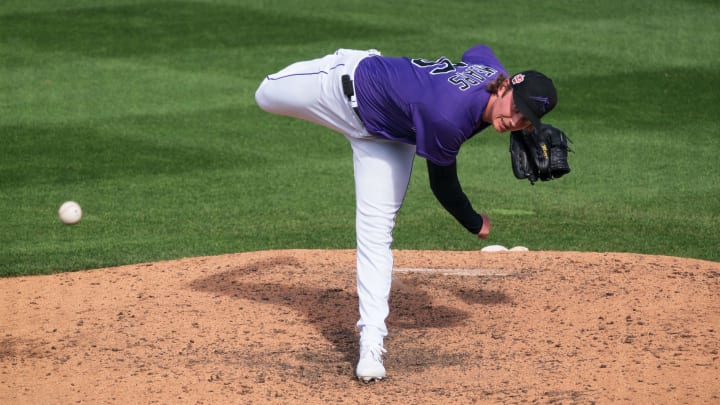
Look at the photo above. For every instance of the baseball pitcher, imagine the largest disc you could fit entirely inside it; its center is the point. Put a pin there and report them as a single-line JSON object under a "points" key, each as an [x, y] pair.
{"points": [[393, 108]]}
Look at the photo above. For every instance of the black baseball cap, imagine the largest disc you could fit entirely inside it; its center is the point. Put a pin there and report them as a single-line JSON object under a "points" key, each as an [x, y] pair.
{"points": [[534, 95]]}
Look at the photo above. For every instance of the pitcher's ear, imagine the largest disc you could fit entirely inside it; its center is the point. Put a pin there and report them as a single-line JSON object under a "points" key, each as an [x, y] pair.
{"points": [[504, 87]]}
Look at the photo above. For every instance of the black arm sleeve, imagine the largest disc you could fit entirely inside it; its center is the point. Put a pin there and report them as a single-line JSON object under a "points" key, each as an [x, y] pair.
{"points": [[446, 187]]}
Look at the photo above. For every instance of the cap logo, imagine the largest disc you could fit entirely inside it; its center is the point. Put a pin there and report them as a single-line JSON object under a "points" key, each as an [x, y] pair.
{"points": [[544, 100], [518, 78]]}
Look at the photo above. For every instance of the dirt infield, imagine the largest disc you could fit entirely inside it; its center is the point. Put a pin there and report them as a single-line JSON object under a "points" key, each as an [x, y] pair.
{"points": [[278, 327]]}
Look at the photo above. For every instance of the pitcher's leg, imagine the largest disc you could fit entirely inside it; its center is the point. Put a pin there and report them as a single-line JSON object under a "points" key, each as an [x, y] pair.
{"points": [[312, 90], [382, 172], [295, 89]]}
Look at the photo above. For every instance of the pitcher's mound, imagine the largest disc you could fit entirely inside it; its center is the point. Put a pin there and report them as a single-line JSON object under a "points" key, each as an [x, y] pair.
{"points": [[278, 327]]}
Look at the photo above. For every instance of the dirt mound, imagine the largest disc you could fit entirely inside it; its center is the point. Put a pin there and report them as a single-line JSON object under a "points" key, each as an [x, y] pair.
{"points": [[278, 327]]}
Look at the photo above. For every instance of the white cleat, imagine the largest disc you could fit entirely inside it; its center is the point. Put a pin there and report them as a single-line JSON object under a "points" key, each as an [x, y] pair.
{"points": [[370, 367]]}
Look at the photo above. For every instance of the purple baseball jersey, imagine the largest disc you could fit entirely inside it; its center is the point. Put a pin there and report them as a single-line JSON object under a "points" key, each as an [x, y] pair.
{"points": [[434, 104]]}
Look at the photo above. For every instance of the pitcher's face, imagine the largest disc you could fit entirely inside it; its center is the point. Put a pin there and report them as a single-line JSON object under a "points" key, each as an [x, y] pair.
{"points": [[505, 116]]}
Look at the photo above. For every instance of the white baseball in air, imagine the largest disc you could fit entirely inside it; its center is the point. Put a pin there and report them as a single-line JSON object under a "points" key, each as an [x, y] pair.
{"points": [[519, 249], [70, 212], [494, 248]]}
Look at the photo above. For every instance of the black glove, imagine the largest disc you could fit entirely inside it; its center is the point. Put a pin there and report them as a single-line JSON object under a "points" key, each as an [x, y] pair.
{"points": [[540, 154]]}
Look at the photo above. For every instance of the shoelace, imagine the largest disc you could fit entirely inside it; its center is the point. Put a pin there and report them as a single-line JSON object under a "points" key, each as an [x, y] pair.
{"points": [[376, 351]]}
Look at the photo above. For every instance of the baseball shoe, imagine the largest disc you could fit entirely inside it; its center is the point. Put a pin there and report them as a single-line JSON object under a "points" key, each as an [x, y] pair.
{"points": [[370, 367]]}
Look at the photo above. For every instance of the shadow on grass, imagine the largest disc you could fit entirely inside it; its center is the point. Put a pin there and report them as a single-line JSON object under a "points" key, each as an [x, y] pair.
{"points": [[163, 27]]}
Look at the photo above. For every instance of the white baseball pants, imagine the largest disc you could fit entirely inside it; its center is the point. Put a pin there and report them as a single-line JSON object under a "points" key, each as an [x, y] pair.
{"points": [[312, 90]]}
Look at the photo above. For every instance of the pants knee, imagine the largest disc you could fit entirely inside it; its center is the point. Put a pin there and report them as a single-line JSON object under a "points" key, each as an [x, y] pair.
{"points": [[262, 97]]}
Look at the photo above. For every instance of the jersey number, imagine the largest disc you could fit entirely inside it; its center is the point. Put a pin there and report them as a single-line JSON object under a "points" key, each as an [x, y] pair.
{"points": [[442, 65], [474, 75]]}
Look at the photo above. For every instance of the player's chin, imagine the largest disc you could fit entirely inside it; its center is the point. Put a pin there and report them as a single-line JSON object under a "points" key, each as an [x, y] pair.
{"points": [[499, 127]]}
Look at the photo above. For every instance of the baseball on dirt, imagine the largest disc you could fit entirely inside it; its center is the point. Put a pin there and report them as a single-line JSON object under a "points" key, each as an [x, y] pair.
{"points": [[70, 213]]}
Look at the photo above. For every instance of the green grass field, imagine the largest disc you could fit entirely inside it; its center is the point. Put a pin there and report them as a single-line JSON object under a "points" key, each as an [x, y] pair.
{"points": [[143, 112]]}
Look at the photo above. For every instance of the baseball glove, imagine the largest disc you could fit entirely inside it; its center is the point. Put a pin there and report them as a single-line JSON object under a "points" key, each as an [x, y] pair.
{"points": [[540, 154]]}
